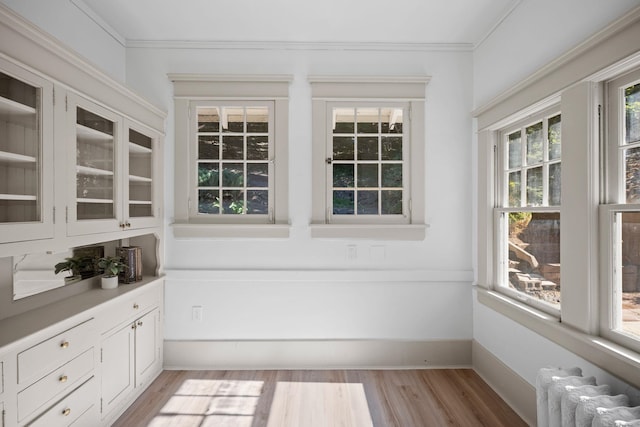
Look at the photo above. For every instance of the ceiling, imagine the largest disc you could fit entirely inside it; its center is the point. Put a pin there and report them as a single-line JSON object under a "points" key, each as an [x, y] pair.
{"points": [[307, 21]]}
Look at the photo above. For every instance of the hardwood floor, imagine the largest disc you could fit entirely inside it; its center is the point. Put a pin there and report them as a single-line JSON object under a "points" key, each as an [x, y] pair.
{"points": [[336, 398]]}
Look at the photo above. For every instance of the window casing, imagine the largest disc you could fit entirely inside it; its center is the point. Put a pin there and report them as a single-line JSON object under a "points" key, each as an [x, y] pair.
{"points": [[368, 157], [231, 157], [528, 186]]}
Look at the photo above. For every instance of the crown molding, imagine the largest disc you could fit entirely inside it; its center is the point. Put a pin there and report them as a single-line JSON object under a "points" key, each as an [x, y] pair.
{"points": [[299, 46]]}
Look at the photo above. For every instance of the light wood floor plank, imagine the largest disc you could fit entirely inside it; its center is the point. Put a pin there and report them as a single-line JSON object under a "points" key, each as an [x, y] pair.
{"points": [[318, 398]]}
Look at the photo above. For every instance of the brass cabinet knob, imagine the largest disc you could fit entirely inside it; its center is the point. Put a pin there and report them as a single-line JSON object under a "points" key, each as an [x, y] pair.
{"points": [[127, 224], [133, 326], [64, 344], [66, 412], [139, 322], [63, 379], [136, 306]]}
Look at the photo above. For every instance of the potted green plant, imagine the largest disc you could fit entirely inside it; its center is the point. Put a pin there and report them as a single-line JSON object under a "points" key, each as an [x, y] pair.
{"points": [[112, 267], [80, 267]]}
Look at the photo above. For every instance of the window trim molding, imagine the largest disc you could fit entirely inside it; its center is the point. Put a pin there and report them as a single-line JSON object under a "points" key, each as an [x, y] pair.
{"points": [[202, 87], [407, 89]]}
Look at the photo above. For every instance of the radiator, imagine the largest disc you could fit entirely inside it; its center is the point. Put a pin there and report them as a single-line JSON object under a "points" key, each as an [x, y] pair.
{"points": [[566, 398]]}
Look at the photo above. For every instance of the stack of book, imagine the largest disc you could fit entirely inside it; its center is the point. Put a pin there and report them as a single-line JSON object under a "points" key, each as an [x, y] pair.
{"points": [[132, 257]]}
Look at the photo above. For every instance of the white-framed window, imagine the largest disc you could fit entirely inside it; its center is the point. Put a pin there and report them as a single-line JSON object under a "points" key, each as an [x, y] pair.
{"points": [[620, 215], [368, 157], [231, 156], [528, 186]]}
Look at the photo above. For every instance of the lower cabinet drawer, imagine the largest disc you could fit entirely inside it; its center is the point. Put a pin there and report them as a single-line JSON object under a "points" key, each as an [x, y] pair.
{"points": [[70, 409], [36, 361], [56, 383]]}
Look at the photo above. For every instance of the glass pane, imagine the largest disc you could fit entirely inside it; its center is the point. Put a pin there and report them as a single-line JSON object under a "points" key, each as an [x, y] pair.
{"points": [[257, 119], [208, 147], [94, 210], [94, 121], [367, 120], [233, 119], [343, 202], [343, 148], [391, 120], [233, 202], [367, 175], [257, 175], [391, 202], [208, 119], [367, 202], [534, 186], [232, 148], [535, 142], [343, 120], [555, 132], [368, 148], [632, 174], [515, 193], [632, 113], [515, 150], [533, 264], [629, 306], [233, 175], [94, 187], [257, 148], [343, 176], [257, 202], [391, 175], [208, 201], [391, 148], [555, 178], [208, 175]]}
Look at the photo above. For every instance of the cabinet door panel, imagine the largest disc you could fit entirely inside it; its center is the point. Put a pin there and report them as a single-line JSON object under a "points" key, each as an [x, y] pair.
{"points": [[117, 367], [147, 341], [142, 181], [95, 169], [26, 155]]}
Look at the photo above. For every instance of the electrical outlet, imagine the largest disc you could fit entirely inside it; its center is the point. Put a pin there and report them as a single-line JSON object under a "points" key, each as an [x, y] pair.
{"points": [[196, 313], [352, 252]]}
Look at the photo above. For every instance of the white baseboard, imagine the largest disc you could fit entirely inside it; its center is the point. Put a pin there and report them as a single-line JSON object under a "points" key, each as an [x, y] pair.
{"points": [[317, 354], [511, 387]]}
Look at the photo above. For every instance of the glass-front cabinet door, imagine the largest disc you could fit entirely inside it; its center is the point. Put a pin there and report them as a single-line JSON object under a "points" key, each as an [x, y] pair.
{"points": [[26, 155], [141, 184], [95, 132]]}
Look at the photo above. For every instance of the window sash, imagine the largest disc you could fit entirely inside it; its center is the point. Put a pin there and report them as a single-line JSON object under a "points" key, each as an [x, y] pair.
{"points": [[195, 161], [331, 163]]}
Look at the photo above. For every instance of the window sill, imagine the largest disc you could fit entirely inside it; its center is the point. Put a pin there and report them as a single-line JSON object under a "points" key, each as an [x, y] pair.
{"points": [[369, 231], [609, 356], [189, 230]]}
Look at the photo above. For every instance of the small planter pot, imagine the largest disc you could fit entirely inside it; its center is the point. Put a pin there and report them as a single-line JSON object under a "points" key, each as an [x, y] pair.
{"points": [[109, 282]]}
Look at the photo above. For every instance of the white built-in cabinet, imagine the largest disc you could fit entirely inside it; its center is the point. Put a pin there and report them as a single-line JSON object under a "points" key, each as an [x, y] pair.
{"points": [[26, 154], [80, 165]]}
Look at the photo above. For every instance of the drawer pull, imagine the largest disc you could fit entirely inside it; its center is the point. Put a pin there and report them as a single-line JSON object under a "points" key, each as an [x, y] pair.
{"points": [[66, 412], [136, 306], [63, 379], [64, 344]]}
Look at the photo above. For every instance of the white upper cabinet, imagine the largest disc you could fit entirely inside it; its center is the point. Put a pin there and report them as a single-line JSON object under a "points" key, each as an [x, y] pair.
{"points": [[26, 155], [114, 164]]}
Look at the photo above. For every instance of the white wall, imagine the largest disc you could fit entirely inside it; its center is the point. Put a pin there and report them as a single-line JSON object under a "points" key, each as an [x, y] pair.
{"points": [[529, 39], [247, 307], [536, 33], [66, 22]]}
